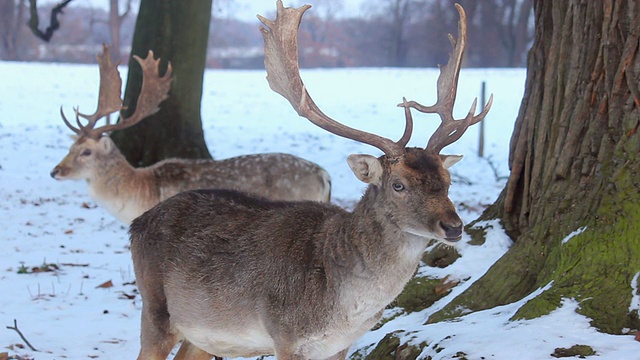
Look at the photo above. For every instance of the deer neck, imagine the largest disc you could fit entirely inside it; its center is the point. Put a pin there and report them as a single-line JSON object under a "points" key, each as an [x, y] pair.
{"points": [[371, 258], [124, 191], [381, 237]]}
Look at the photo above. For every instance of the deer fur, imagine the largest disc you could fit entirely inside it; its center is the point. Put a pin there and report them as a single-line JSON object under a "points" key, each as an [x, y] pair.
{"points": [[126, 192]]}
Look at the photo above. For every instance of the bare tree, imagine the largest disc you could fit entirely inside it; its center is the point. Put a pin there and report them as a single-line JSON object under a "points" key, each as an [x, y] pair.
{"points": [[388, 25], [11, 24], [320, 38], [508, 22], [54, 24], [115, 24]]}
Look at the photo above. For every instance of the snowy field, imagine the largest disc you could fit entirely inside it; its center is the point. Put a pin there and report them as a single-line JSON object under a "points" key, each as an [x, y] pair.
{"points": [[66, 275]]}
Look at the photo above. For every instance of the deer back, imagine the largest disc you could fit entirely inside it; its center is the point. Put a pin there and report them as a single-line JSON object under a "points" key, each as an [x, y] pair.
{"points": [[127, 192], [275, 176]]}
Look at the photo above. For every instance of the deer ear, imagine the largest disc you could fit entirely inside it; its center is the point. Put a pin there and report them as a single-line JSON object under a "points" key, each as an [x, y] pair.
{"points": [[367, 168], [450, 160], [106, 144]]}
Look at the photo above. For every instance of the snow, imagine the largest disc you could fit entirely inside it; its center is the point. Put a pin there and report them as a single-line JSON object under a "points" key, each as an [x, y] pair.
{"points": [[635, 295], [64, 313], [574, 233]]}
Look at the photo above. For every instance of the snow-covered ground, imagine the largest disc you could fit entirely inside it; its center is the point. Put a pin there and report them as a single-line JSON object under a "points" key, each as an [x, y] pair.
{"points": [[65, 271]]}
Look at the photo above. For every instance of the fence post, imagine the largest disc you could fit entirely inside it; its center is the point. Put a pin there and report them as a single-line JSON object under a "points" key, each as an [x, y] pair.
{"points": [[482, 104]]}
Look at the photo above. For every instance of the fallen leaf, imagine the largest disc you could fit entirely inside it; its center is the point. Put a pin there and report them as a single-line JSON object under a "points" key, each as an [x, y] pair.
{"points": [[105, 285], [445, 285], [67, 232]]}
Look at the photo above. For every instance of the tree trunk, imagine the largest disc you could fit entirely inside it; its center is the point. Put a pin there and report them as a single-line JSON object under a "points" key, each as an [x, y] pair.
{"points": [[176, 31], [574, 161], [11, 22], [114, 29]]}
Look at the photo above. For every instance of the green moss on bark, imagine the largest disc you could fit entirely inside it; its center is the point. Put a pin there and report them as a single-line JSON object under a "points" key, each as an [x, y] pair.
{"points": [[419, 294], [596, 267]]}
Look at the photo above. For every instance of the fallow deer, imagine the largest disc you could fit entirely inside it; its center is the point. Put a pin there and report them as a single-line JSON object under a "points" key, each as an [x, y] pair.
{"points": [[126, 192], [238, 276]]}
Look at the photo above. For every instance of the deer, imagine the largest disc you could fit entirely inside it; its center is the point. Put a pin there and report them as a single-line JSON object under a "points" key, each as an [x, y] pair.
{"points": [[126, 192], [234, 275]]}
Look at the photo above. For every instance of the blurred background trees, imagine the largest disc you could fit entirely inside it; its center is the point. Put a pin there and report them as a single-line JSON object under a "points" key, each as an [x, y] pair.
{"points": [[394, 33]]}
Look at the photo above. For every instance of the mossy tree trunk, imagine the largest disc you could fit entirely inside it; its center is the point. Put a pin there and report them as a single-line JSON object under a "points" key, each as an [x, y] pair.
{"points": [[575, 168], [176, 31]]}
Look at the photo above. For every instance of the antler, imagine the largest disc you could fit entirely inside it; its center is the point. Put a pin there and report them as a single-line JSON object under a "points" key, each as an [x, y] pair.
{"points": [[450, 130], [283, 75], [154, 90]]}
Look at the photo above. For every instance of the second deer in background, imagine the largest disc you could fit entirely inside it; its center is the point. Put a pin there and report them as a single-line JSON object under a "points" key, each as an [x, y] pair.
{"points": [[126, 192]]}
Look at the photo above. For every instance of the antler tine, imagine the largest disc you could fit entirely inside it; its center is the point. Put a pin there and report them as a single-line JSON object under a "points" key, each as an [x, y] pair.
{"points": [[450, 130], [155, 89], [283, 75], [408, 129], [109, 98], [64, 118]]}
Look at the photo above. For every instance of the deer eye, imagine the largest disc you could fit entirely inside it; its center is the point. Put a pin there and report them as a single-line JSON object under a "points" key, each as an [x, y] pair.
{"points": [[86, 152], [397, 187]]}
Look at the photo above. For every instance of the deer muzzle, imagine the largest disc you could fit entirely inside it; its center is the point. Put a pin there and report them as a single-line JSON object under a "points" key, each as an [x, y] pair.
{"points": [[452, 231], [56, 172]]}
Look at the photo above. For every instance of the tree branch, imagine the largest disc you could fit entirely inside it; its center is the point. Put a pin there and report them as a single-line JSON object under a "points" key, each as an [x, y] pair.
{"points": [[15, 327], [54, 24], [126, 12]]}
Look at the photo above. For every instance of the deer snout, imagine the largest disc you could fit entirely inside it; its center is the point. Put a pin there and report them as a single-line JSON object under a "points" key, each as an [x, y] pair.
{"points": [[452, 229], [55, 172]]}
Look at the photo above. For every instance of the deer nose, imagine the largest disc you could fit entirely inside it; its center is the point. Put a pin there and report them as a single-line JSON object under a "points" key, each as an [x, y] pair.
{"points": [[54, 172], [452, 231]]}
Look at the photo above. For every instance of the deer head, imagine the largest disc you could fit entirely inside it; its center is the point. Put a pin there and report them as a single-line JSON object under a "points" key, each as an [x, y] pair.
{"points": [[90, 145], [411, 178]]}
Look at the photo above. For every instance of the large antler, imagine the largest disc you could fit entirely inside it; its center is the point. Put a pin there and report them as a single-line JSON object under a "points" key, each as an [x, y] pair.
{"points": [[283, 75], [450, 129], [154, 90]]}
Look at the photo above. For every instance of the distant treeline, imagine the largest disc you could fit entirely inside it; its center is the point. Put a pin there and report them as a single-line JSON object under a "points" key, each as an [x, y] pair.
{"points": [[394, 33]]}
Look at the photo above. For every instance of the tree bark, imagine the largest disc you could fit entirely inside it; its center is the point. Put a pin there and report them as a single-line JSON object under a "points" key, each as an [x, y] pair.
{"points": [[177, 32], [574, 161]]}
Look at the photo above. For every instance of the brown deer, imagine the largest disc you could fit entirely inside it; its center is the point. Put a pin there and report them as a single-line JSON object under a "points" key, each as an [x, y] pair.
{"points": [[126, 192], [238, 276]]}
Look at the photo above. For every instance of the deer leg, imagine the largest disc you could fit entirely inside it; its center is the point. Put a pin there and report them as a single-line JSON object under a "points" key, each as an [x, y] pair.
{"points": [[156, 337], [155, 344], [188, 351]]}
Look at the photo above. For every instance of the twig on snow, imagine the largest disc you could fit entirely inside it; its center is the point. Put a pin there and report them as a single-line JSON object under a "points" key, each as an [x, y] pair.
{"points": [[15, 327]]}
